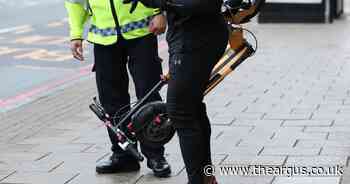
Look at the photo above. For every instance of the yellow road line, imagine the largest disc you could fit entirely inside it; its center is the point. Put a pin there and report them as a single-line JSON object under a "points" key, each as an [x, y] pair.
{"points": [[7, 50], [55, 24], [13, 29]]}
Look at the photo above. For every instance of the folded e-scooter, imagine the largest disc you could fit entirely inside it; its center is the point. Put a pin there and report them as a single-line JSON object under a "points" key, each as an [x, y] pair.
{"points": [[148, 122]]}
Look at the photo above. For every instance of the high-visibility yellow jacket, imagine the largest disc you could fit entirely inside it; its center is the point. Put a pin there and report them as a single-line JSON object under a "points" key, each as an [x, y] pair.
{"points": [[103, 29]]}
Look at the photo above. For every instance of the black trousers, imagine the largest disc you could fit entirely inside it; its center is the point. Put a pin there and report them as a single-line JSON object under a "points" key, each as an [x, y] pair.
{"points": [[189, 76], [141, 57]]}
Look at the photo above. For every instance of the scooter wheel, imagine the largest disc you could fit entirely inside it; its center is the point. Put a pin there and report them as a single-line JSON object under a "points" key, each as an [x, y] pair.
{"points": [[152, 126]]}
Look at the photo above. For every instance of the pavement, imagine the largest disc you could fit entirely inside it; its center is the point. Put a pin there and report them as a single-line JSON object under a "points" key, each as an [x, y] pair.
{"points": [[288, 105]]}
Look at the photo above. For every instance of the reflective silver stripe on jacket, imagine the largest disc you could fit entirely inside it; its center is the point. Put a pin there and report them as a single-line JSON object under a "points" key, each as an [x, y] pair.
{"points": [[124, 29]]}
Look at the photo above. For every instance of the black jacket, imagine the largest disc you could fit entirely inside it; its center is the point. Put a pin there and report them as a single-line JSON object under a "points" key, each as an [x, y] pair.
{"points": [[192, 24]]}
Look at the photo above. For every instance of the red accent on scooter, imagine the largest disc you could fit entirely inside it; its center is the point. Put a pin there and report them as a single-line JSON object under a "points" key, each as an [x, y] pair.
{"points": [[130, 127], [120, 137], [157, 120]]}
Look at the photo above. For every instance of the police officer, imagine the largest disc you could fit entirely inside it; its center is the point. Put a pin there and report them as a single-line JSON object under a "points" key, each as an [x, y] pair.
{"points": [[197, 37], [121, 39]]}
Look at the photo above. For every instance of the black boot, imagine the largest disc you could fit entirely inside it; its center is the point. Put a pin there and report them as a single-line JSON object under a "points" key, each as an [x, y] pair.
{"points": [[117, 164], [160, 167]]}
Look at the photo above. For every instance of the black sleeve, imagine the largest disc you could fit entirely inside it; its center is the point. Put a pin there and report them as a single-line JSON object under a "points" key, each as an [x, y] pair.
{"points": [[186, 7]]}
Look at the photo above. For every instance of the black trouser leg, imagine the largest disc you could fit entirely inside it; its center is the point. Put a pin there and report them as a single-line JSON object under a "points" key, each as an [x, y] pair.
{"points": [[145, 69], [112, 81], [185, 95], [112, 78], [189, 77], [195, 149]]}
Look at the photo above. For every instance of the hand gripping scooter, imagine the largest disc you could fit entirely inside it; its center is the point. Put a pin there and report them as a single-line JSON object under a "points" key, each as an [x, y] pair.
{"points": [[148, 122]]}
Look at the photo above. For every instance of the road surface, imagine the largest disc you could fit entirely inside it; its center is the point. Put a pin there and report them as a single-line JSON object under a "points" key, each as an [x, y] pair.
{"points": [[34, 51]]}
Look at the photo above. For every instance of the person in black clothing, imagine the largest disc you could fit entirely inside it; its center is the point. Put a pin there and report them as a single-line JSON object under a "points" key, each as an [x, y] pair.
{"points": [[197, 37]]}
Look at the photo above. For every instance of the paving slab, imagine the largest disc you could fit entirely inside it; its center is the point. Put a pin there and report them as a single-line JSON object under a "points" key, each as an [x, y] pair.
{"points": [[245, 180], [39, 178], [318, 143], [300, 135], [328, 129], [92, 177], [245, 160], [331, 160], [5, 173], [279, 116], [339, 151], [290, 151], [306, 180], [308, 123]]}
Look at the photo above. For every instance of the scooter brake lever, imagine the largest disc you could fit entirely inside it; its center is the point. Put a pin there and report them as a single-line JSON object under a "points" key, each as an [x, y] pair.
{"points": [[99, 112]]}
